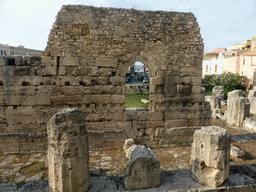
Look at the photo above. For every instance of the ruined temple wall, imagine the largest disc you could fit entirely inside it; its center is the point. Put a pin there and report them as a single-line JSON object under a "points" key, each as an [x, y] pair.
{"points": [[88, 52]]}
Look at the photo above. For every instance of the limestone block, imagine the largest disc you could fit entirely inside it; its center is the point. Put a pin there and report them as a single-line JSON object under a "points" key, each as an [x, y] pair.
{"points": [[250, 123], [70, 61], [117, 80], [49, 70], [235, 152], [90, 71], [210, 156], [238, 110], [106, 62], [252, 100], [235, 93], [176, 123], [218, 91], [105, 71], [143, 169], [21, 100], [43, 100], [215, 101], [68, 152], [128, 150], [128, 143], [252, 93]]}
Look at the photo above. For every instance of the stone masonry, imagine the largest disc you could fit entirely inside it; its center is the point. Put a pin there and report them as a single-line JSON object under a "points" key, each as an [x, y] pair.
{"points": [[68, 152], [210, 156], [88, 53], [238, 108], [218, 91], [252, 100]]}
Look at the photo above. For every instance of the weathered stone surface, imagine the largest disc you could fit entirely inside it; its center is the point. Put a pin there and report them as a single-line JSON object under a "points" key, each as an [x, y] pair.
{"points": [[218, 91], [128, 143], [250, 123], [238, 110], [235, 93], [236, 152], [68, 152], [214, 101], [252, 100], [143, 169], [210, 156]]}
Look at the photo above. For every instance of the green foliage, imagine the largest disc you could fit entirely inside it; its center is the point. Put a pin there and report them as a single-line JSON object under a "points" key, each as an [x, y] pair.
{"points": [[135, 100], [229, 81]]}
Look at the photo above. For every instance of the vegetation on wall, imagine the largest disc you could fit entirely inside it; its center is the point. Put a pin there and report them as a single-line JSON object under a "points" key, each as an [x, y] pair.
{"points": [[229, 81]]}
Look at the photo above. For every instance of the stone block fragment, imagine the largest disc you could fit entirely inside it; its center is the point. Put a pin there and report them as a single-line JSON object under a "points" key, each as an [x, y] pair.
{"points": [[218, 91], [215, 101], [238, 110], [68, 152], [143, 169], [210, 156], [252, 100], [235, 93], [236, 152]]}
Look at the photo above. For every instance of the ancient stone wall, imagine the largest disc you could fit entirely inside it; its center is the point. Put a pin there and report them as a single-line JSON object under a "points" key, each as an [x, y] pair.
{"points": [[84, 64]]}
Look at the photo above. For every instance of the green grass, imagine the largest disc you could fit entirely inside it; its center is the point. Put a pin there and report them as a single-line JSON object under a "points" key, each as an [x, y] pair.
{"points": [[135, 100]]}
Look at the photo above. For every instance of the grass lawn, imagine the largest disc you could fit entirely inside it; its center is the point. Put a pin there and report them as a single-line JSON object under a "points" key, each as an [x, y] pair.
{"points": [[135, 100]]}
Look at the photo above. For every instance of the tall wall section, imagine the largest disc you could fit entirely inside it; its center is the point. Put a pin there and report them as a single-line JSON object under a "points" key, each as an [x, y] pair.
{"points": [[84, 64]]}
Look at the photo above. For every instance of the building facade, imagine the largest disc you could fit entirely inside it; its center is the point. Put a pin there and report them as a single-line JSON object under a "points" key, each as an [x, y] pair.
{"points": [[6, 50]]}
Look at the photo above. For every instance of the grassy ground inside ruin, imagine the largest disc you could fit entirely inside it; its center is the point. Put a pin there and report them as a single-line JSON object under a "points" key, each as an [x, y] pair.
{"points": [[135, 100]]}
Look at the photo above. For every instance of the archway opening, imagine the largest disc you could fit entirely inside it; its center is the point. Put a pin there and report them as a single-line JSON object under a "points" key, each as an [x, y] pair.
{"points": [[137, 85]]}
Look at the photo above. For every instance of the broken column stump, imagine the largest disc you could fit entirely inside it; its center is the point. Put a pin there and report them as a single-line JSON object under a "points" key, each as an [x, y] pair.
{"points": [[68, 152], [238, 110], [210, 156], [143, 169]]}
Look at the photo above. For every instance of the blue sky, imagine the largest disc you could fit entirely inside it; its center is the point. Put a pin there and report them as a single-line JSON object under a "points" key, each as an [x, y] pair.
{"points": [[222, 22]]}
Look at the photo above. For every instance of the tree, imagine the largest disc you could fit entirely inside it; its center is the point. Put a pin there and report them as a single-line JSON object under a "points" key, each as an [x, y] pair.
{"points": [[229, 81]]}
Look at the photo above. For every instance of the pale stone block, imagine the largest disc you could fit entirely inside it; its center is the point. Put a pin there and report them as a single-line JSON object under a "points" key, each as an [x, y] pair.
{"points": [[215, 101], [70, 61], [106, 62], [68, 152], [238, 110], [218, 91], [43, 100], [143, 169], [210, 156], [48, 71]]}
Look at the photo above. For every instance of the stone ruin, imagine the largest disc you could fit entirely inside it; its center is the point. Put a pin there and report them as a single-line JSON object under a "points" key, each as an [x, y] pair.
{"points": [[68, 152], [238, 108], [68, 156], [88, 52]]}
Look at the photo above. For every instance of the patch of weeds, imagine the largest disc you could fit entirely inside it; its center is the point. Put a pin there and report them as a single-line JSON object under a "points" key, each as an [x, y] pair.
{"points": [[35, 168], [21, 183], [11, 179], [157, 145], [178, 143], [187, 144], [21, 158]]}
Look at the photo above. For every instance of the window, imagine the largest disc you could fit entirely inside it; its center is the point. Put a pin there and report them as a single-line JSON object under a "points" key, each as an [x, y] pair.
{"points": [[216, 68], [206, 69], [243, 61], [242, 73]]}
